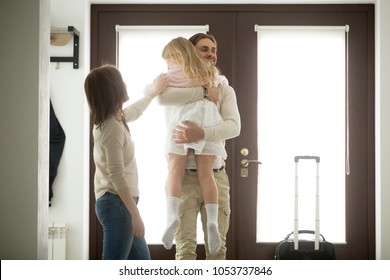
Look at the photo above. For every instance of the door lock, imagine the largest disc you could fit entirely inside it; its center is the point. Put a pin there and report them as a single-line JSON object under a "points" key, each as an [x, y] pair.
{"points": [[245, 162], [244, 152]]}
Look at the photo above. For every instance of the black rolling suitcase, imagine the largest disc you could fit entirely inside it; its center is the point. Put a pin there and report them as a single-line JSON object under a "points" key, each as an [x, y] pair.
{"points": [[301, 249]]}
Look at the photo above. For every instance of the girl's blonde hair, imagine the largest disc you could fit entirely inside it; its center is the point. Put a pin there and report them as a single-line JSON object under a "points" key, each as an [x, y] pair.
{"points": [[195, 67]]}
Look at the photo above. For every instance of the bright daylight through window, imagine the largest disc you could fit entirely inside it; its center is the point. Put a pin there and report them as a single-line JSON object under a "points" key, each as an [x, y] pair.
{"points": [[139, 58], [301, 111]]}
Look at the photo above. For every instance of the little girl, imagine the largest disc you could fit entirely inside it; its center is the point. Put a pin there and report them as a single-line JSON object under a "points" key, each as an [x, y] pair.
{"points": [[187, 69]]}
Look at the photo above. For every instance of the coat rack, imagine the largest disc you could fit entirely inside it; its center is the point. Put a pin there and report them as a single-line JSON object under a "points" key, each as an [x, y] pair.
{"points": [[75, 58]]}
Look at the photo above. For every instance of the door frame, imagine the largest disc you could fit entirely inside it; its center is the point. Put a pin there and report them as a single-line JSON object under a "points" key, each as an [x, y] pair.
{"points": [[103, 50]]}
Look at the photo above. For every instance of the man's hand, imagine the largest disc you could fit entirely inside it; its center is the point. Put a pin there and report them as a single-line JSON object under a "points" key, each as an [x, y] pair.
{"points": [[187, 133], [214, 94]]}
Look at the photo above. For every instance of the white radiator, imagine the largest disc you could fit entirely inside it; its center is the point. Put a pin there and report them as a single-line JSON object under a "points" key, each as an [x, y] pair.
{"points": [[57, 241]]}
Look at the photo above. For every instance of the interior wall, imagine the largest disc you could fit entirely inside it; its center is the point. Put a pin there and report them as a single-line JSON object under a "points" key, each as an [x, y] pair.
{"points": [[383, 129], [70, 188], [24, 119]]}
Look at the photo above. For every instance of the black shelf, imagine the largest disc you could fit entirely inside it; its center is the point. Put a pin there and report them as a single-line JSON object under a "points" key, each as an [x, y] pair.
{"points": [[75, 58]]}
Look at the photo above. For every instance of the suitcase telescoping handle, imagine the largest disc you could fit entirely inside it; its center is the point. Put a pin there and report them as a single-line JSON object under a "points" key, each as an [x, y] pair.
{"points": [[316, 158], [304, 231], [317, 217]]}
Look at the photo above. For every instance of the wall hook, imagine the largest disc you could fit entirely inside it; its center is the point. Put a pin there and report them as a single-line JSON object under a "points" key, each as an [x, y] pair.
{"points": [[75, 58]]}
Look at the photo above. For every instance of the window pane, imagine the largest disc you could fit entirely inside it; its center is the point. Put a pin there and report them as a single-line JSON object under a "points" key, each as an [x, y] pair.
{"points": [[140, 61], [301, 111]]}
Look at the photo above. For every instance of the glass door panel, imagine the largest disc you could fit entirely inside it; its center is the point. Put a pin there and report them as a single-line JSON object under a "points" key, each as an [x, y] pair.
{"points": [[139, 58], [301, 111]]}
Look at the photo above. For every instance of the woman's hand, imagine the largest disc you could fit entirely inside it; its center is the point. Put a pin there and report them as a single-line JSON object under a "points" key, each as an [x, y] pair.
{"points": [[138, 226], [160, 83], [136, 221]]}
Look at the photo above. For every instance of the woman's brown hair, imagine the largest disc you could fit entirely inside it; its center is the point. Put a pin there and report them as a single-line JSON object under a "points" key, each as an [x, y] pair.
{"points": [[105, 91]]}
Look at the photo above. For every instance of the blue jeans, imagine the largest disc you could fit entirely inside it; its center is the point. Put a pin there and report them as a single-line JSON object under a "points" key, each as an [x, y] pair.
{"points": [[119, 242]]}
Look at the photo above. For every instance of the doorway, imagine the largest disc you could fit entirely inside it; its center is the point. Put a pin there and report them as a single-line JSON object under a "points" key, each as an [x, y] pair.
{"points": [[237, 52]]}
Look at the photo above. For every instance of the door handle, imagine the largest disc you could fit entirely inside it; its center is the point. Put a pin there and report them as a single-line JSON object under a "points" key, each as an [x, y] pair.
{"points": [[245, 162]]}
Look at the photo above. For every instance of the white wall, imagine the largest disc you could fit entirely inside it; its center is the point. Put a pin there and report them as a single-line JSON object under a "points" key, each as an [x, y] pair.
{"points": [[70, 202], [383, 128]]}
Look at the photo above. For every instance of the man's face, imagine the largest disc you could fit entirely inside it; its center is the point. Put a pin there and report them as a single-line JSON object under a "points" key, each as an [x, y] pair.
{"points": [[207, 49]]}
